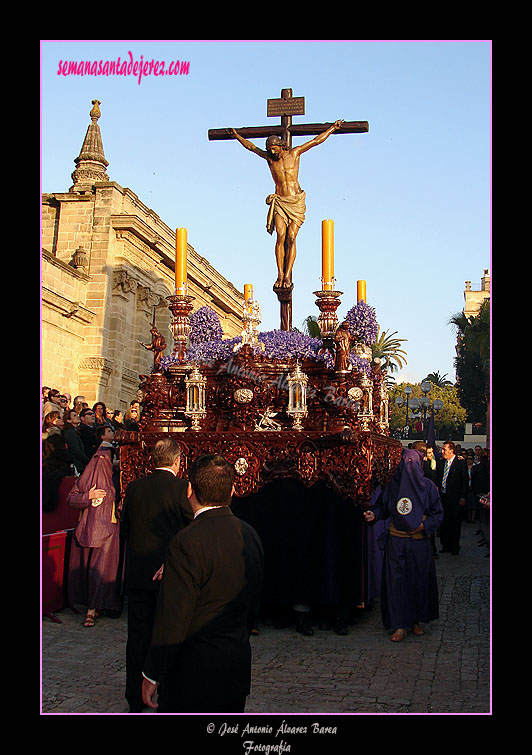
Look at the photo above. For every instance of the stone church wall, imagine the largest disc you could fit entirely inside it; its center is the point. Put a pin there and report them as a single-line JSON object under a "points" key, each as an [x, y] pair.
{"points": [[107, 268]]}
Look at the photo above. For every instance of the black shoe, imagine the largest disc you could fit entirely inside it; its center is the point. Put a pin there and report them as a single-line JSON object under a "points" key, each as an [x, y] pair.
{"points": [[454, 553], [340, 627], [112, 613], [445, 550], [304, 627]]}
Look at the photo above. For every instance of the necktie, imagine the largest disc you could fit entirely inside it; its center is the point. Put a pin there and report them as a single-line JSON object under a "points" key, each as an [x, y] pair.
{"points": [[445, 473]]}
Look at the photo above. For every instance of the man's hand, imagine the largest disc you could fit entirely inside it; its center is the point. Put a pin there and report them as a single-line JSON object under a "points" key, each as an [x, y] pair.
{"points": [[338, 123], [95, 492], [96, 495], [158, 574], [369, 516], [148, 691]]}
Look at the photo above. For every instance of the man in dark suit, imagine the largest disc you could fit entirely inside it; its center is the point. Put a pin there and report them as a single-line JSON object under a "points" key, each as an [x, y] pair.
{"points": [[452, 484], [208, 603], [155, 509], [87, 433]]}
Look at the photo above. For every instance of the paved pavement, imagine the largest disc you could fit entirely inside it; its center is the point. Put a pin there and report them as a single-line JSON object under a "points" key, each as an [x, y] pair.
{"points": [[447, 670]]}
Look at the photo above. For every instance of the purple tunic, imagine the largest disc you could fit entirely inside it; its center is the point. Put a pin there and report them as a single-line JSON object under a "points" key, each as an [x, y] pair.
{"points": [[409, 586], [93, 578]]}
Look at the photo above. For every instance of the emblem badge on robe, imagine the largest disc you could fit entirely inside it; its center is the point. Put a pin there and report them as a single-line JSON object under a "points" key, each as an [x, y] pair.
{"points": [[404, 506]]}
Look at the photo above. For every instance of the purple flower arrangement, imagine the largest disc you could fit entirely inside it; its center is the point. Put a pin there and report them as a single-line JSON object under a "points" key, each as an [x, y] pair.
{"points": [[207, 345], [363, 324], [360, 365], [289, 344], [205, 326]]}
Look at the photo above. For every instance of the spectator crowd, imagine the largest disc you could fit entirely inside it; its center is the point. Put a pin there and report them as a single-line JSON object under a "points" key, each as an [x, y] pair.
{"points": [[69, 437]]}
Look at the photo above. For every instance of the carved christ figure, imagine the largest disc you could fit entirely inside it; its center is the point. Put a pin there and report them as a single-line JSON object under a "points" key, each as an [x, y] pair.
{"points": [[287, 205]]}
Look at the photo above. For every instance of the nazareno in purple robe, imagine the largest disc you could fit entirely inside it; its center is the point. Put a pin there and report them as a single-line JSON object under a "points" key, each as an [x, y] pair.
{"points": [[409, 586], [93, 577]]}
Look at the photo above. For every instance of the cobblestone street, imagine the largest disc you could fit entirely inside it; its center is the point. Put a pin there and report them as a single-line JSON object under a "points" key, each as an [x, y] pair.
{"points": [[447, 670]]}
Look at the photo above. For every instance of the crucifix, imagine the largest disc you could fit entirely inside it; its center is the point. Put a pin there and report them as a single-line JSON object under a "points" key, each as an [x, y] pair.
{"points": [[287, 206]]}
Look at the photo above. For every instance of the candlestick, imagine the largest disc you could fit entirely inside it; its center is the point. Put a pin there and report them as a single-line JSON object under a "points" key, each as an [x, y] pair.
{"points": [[248, 294], [361, 290], [180, 306], [181, 261], [327, 254]]}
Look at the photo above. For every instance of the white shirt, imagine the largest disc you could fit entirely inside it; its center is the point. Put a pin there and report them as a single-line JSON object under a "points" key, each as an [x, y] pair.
{"points": [[168, 469], [205, 508], [448, 463]]}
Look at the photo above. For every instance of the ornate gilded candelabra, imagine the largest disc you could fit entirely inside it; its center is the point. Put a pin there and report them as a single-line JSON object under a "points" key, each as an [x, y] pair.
{"points": [[251, 316], [328, 302], [297, 397], [366, 415], [196, 407], [180, 306]]}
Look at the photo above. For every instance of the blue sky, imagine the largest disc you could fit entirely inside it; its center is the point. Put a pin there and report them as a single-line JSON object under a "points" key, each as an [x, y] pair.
{"points": [[410, 200]]}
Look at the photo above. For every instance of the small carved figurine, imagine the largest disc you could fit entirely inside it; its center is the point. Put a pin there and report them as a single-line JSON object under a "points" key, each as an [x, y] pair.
{"points": [[157, 345], [342, 340]]}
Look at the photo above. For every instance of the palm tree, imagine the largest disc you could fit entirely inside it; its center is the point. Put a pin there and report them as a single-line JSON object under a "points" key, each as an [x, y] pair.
{"points": [[311, 327], [460, 322], [387, 349], [436, 379]]}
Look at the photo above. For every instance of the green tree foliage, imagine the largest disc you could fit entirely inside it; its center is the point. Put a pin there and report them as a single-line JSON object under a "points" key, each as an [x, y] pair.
{"points": [[388, 349], [472, 362], [446, 422], [436, 379], [311, 327]]}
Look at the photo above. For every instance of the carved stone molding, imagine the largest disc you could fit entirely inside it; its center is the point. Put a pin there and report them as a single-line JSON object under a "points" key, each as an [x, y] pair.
{"points": [[147, 299], [124, 281], [96, 363], [69, 309]]}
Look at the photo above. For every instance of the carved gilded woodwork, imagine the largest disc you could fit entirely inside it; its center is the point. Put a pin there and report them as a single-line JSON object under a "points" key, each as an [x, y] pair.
{"points": [[334, 446]]}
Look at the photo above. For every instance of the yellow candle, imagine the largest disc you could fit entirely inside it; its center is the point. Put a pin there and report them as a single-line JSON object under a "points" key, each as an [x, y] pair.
{"points": [[327, 254], [361, 290], [181, 261], [248, 294]]}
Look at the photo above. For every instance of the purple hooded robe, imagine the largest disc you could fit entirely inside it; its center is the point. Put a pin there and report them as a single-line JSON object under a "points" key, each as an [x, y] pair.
{"points": [[409, 587], [93, 576]]}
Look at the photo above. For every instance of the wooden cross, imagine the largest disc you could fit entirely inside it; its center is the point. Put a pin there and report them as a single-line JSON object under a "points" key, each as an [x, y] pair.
{"points": [[286, 107]]}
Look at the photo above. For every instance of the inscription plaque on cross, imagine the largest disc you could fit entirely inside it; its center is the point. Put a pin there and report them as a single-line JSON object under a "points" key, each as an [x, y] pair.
{"points": [[287, 205]]}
